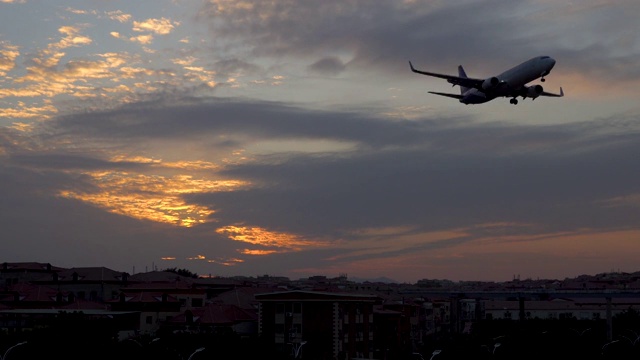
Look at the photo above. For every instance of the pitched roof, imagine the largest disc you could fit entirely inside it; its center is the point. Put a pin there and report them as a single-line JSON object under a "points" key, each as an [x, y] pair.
{"points": [[217, 314], [28, 293], [90, 274], [84, 305], [159, 286], [159, 276], [243, 297], [144, 297], [28, 266]]}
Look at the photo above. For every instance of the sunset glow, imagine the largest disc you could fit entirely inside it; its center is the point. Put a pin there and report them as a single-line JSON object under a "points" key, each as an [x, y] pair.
{"points": [[281, 242], [155, 198]]}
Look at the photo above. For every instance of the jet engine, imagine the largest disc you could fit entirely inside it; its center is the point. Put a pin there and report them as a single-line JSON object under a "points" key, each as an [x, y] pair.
{"points": [[490, 83], [534, 91]]}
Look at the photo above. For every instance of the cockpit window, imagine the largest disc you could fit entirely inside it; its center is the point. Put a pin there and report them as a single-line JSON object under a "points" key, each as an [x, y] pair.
{"points": [[543, 57]]}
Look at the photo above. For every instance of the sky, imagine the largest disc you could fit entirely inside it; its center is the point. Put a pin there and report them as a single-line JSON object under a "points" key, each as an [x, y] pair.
{"points": [[290, 138]]}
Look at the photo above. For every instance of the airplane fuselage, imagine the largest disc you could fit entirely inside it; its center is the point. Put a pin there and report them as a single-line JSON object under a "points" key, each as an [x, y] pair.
{"points": [[512, 80]]}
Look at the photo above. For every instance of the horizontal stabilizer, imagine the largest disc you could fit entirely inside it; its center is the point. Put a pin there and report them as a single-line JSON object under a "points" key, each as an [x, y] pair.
{"points": [[544, 93], [455, 96]]}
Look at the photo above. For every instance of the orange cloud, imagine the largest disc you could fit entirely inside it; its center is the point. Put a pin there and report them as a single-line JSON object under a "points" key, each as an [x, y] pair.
{"points": [[22, 111], [226, 262], [119, 16], [142, 39], [257, 252], [161, 26], [8, 56], [284, 242], [152, 197]]}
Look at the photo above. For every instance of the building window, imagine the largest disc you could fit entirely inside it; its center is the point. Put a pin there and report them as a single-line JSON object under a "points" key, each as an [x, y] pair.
{"points": [[196, 302], [149, 320], [297, 308], [280, 308]]}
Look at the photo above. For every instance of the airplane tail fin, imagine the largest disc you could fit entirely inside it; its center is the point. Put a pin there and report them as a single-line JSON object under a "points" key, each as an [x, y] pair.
{"points": [[462, 74]]}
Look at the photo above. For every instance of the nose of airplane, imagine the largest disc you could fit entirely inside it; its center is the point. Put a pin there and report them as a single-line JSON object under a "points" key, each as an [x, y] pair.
{"points": [[552, 61]]}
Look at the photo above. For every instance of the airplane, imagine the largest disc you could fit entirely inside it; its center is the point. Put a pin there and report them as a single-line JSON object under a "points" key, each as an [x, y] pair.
{"points": [[511, 83]]}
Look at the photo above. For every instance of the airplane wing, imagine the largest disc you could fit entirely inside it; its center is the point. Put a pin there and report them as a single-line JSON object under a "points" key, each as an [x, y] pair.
{"points": [[544, 93], [455, 96], [455, 80]]}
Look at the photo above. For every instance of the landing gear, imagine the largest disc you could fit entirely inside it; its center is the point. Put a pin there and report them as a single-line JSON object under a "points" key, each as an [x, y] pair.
{"points": [[513, 101], [542, 79]]}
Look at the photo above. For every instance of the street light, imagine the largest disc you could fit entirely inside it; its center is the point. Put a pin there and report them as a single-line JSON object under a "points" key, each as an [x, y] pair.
{"points": [[607, 344], [197, 351], [6, 353], [297, 347], [434, 353]]}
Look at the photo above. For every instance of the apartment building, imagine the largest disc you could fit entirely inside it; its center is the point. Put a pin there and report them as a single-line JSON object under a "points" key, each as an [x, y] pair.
{"points": [[321, 325]]}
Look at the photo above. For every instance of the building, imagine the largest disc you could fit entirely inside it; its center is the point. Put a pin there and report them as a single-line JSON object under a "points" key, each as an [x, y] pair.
{"points": [[559, 308], [15, 273], [215, 319], [86, 283], [318, 325]]}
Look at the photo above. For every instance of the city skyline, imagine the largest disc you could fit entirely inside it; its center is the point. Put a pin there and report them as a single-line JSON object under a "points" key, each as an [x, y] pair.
{"points": [[291, 138]]}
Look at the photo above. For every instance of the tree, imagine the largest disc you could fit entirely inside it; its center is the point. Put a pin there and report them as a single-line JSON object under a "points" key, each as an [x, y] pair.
{"points": [[182, 272]]}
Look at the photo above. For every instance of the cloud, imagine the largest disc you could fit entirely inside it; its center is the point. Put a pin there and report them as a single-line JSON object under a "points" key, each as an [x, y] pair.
{"points": [[72, 38], [382, 38], [119, 16], [438, 173], [328, 65], [8, 55], [400, 188], [142, 39], [230, 151], [161, 26]]}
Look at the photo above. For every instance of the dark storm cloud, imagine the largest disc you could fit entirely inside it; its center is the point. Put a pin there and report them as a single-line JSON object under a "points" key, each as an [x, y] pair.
{"points": [[328, 66], [384, 34], [252, 119], [557, 188], [230, 66], [428, 173], [424, 175]]}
